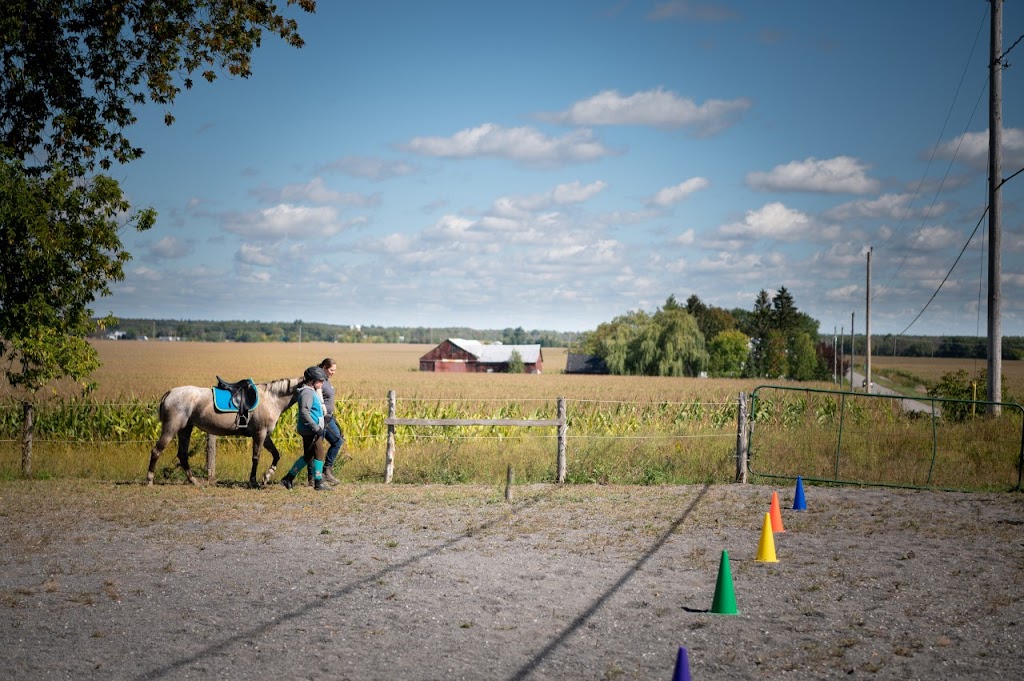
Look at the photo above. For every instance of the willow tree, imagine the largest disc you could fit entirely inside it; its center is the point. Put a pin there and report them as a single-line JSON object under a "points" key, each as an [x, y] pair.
{"points": [[667, 343], [72, 75]]}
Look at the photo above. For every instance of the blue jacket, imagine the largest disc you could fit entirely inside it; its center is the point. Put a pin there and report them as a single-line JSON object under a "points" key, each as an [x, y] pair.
{"points": [[310, 419]]}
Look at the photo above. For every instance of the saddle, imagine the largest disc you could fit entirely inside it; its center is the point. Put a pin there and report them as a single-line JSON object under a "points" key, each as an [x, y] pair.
{"points": [[240, 397]]}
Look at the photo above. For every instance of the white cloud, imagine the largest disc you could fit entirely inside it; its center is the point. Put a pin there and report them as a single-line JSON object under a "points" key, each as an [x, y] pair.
{"points": [[314, 191], [839, 175], [286, 220], [375, 169], [656, 108], [687, 238], [575, 192], [934, 238], [748, 265], [886, 206], [172, 247], [670, 195], [524, 144], [971, 148], [250, 254], [777, 222], [696, 11], [560, 195], [844, 294]]}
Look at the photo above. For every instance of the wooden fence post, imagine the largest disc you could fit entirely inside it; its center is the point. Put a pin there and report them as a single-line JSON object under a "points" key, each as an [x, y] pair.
{"points": [[508, 484], [741, 440], [211, 457], [389, 455], [563, 429], [28, 412]]}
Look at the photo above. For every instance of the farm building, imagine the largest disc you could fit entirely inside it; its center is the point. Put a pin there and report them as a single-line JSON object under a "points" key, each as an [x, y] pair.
{"points": [[577, 363], [470, 356]]}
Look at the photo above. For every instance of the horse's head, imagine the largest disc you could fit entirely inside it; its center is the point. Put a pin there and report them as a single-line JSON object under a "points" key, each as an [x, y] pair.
{"points": [[281, 389]]}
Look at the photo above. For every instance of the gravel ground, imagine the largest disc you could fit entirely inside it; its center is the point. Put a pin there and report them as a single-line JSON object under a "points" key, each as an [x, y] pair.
{"points": [[105, 581]]}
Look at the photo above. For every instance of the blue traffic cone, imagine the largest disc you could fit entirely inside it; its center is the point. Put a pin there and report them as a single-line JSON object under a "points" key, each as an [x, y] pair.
{"points": [[799, 503], [682, 672]]}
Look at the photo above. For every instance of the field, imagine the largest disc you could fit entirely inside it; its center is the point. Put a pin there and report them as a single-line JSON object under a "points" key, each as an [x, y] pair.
{"points": [[621, 410], [931, 369], [623, 430]]}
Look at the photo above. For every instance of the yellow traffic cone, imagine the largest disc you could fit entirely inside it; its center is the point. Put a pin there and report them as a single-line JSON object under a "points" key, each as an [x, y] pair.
{"points": [[766, 547]]}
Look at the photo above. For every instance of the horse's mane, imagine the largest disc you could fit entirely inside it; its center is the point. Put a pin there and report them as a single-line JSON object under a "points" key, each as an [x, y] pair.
{"points": [[281, 386]]}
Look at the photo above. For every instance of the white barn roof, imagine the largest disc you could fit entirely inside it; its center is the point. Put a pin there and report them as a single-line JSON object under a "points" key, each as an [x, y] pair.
{"points": [[494, 354]]}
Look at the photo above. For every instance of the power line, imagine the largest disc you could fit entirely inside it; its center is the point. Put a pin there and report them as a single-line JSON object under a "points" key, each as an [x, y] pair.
{"points": [[1007, 51], [935, 148], [945, 278]]}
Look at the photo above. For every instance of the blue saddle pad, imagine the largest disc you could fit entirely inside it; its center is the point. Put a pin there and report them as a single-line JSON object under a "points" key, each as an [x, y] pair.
{"points": [[222, 399]]}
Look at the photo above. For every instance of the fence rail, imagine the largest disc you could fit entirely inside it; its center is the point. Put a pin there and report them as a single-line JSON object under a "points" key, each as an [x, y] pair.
{"points": [[392, 420]]}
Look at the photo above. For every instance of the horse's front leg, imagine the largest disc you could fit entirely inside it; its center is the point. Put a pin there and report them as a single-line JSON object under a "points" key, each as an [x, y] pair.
{"points": [[272, 448]]}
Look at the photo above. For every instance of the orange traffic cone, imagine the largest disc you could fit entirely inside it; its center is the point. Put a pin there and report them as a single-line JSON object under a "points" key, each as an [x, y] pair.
{"points": [[776, 514]]}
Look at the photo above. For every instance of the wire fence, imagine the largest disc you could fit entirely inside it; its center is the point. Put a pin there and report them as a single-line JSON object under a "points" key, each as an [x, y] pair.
{"points": [[793, 432]]}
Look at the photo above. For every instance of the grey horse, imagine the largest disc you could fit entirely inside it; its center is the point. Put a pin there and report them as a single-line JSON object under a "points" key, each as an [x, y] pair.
{"points": [[188, 406]]}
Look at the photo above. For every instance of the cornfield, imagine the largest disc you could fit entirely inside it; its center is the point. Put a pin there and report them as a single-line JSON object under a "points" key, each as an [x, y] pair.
{"points": [[629, 430]]}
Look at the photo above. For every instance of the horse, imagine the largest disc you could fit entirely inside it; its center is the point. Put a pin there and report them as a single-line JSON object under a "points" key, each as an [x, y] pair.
{"points": [[188, 406]]}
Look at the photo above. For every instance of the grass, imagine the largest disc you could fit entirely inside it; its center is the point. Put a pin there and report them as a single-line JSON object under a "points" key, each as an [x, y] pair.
{"points": [[868, 439]]}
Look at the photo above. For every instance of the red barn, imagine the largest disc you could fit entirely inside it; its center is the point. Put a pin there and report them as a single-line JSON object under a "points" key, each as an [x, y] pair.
{"points": [[470, 356]]}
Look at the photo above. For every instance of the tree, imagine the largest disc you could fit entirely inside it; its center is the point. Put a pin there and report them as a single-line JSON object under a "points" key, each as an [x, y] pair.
{"points": [[667, 343], [75, 71], [776, 357], [680, 342], [611, 341], [759, 324], [803, 360], [714, 321], [60, 249], [728, 352], [73, 74], [515, 363], [516, 336], [784, 312], [710, 320]]}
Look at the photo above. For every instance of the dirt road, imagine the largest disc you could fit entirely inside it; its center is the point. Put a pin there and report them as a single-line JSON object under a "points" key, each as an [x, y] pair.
{"points": [[111, 581]]}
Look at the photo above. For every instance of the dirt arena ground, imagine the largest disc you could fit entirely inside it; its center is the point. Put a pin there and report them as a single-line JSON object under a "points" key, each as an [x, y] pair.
{"points": [[106, 581]]}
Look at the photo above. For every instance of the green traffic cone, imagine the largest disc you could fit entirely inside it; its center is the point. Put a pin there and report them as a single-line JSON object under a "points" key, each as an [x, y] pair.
{"points": [[724, 602]]}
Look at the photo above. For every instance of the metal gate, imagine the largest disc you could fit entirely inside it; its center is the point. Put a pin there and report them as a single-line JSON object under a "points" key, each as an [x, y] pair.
{"points": [[884, 440]]}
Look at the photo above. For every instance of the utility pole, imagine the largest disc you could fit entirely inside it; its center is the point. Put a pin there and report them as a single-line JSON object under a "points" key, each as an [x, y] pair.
{"points": [[842, 356], [853, 352], [835, 354], [867, 330], [995, 144]]}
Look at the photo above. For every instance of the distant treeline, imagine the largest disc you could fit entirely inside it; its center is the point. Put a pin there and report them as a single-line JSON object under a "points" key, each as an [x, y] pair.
{"points": [[309, 332], [298, 331], [970, 347]]}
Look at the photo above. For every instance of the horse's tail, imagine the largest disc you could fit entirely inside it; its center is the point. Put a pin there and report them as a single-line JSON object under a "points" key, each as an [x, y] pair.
{"points": [[162, 409]]}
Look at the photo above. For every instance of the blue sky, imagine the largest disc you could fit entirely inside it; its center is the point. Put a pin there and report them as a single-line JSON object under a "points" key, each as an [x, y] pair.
{"points": [[553, 165]]}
